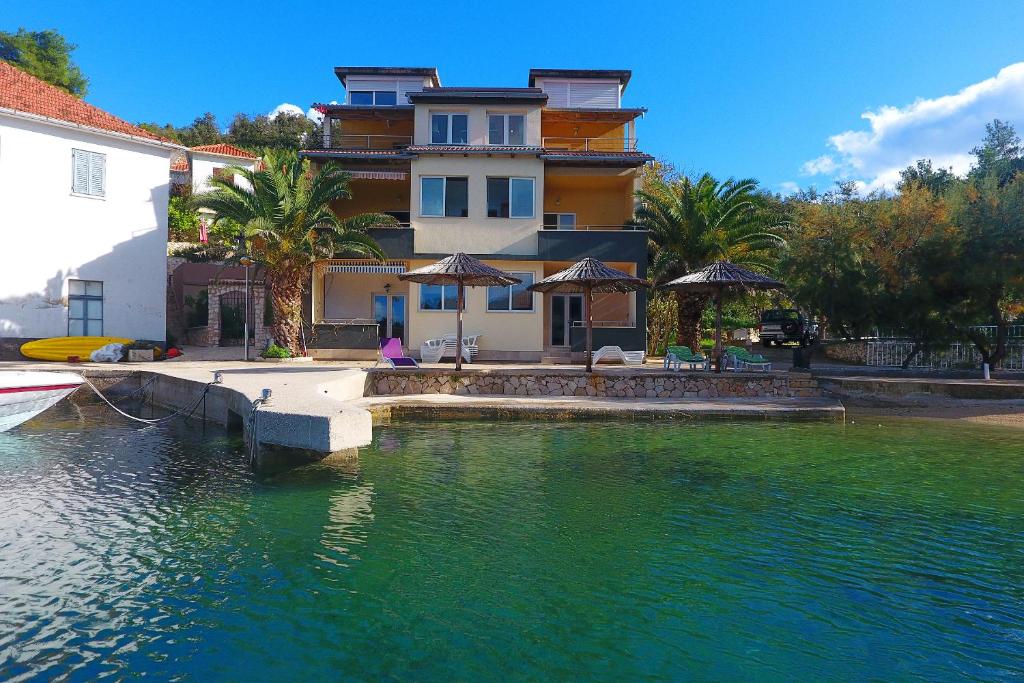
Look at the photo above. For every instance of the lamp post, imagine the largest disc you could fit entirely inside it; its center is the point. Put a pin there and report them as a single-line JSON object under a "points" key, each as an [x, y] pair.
{"points": [[246, 262]]}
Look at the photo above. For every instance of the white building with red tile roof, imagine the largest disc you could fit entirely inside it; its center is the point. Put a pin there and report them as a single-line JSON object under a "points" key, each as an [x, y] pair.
{"points": [[83, 212], [210, 160]]}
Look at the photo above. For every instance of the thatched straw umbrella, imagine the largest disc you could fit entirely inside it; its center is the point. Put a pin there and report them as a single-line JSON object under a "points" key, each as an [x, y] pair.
{"points": [[715, 280], [461, 270], [589, 276]]}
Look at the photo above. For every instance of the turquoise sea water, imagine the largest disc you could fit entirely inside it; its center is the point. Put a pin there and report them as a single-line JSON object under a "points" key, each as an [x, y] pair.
{"points": [[474, 551]]}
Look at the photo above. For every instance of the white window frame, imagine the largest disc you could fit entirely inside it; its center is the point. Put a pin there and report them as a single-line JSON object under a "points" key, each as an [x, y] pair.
{"points": [[444, 196], [508, 288], [533, 204], [419, 297], [504, 128], [95, 170], [558, 223], [86, 298], [448, 115]]}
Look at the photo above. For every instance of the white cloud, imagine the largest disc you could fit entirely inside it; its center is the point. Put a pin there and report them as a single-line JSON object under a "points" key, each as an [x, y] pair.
{"points": [[286, 108], [788, 187], [294, 109], [823, 165], [943, 129]]}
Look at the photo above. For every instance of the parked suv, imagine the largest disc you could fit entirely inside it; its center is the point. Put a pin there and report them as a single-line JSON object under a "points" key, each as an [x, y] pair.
{"points": [[781, 325]]}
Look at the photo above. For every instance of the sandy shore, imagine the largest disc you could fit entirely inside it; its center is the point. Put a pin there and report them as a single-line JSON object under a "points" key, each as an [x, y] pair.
{"points": [[998, 413]]}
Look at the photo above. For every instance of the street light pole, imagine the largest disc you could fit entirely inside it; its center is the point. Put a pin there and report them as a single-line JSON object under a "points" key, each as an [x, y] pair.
{"points": [[246, 262]]}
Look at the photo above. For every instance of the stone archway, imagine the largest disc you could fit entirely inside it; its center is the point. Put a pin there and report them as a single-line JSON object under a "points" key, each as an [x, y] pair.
{"points": [[216, 292]]}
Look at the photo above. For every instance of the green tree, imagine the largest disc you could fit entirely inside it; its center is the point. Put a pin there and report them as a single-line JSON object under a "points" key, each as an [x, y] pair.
{"points": [[182, 220], [288, 222], [202, 131], [987, 275], [45, 55], [826, 266], [692, 223], [284, 131], [937, 181], [999, 154]]}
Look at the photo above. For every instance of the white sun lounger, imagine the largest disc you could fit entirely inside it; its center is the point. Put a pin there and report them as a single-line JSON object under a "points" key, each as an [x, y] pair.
{"points": [[614, 353], [433, 350]]}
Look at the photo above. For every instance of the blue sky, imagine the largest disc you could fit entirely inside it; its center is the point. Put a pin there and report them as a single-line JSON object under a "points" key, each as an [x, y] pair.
{"points": [[773, 90]]}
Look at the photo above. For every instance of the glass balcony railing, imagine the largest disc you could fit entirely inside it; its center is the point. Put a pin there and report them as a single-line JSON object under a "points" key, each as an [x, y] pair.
{"points": [[572, 144], [360, 142]]}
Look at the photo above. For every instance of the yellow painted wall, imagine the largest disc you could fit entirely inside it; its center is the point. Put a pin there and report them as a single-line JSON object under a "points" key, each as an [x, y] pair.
{"points": [[477, 120], [596, 200], [372, 196], [477, 234], [571, 134], [503, 331], [348, 132], [349, 295]]}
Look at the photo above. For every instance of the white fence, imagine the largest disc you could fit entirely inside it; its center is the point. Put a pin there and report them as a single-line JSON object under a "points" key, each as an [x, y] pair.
{"points": [[892, 353]]}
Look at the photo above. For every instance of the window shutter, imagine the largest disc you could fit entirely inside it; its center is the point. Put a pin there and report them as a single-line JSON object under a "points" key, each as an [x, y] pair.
{"points": [[97, 173], [80, 171], [601, 95]]}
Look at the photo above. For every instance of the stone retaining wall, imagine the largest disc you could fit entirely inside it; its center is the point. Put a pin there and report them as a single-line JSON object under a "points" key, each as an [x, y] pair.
{"points": [[600, 384], [847, 352]]}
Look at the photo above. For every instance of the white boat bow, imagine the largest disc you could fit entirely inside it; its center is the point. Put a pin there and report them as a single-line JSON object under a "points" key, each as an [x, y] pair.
{"points": [[23, 395]]}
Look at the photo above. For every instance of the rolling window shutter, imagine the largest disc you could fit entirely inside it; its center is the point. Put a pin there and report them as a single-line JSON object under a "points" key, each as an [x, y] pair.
{"points": [[558, 93], [97, 173], [79, 171], [599, 95]]}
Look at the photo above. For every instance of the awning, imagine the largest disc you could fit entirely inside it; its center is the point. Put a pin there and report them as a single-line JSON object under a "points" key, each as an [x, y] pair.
{"points": [[378, 175], [366, 267]]}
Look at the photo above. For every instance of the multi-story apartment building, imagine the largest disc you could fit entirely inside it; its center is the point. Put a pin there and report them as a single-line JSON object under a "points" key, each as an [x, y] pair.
{"points": [[527, 179]]}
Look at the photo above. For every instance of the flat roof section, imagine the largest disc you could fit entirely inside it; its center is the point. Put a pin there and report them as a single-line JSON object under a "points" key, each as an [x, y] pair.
{"points": [[505, 95], [620, 75], [343, 72]]}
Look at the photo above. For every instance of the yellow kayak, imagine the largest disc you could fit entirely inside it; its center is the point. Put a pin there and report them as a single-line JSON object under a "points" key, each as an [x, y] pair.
{"points": [[62, 348]]}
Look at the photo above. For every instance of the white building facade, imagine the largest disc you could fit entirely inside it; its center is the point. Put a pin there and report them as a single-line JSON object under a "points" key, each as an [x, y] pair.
{"points": [[83, 214]]}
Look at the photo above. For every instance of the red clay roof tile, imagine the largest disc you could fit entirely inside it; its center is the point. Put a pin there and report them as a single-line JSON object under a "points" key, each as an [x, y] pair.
{"points": [[224, 149], [24, 93]]}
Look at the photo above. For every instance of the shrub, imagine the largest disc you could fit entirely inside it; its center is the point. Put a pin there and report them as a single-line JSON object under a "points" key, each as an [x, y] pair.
{"points": [[275, 351]]}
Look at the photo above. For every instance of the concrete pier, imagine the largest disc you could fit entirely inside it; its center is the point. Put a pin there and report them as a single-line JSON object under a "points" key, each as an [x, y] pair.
{"points": [[321, 408]]}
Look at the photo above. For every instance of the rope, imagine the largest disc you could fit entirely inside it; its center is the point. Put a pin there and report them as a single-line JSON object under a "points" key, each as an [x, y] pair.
{"points": [[155, 421], [253, 440]]}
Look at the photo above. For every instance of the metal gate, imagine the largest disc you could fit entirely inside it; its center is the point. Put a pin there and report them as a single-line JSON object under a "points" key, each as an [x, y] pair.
{"points": [[232, 319]]}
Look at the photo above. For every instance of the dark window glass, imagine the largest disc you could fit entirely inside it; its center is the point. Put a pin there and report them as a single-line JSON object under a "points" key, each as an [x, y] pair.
{"points": [[497, 298], [513, 298], [497, 197], [386, 98], [430, 297], [551, 221], [451, 297], [432, 196], [516, 135], [496, 130], [456, 197], [460, 129], [522, 198], [439, 129], [522, 298], [361, 97]]}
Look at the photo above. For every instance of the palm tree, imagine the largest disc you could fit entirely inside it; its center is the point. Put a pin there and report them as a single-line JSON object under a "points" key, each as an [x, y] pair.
{"points": [[284, 210], [694, 223]]}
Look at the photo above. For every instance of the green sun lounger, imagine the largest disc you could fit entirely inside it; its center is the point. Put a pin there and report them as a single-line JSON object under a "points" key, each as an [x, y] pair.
{"points": [[678, 356]]}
